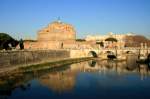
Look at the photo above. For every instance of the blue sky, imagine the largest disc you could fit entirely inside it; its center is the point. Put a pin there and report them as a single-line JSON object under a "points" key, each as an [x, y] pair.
{"points": [[23, 18]]}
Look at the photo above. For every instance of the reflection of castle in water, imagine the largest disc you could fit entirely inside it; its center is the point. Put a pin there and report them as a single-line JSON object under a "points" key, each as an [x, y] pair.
{"points": [[58, 81], [65, 80], [62, 81]]}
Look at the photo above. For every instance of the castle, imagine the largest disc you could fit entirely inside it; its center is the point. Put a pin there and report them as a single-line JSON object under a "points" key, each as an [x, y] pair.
{"points": [[56, 35], [57, 31]]}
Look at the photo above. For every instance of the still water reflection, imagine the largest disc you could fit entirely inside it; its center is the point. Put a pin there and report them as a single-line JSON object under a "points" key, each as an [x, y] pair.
{"points": [[90, 80]]}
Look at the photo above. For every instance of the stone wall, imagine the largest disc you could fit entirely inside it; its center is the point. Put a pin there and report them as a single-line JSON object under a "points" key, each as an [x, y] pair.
{"points": [[10, 58]]}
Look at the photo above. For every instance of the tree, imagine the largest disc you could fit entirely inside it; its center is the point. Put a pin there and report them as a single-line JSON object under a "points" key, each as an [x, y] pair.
{"points": [[100, 43], [7, 42], [21, 44], [111, 39], [135, 41], [80, 40]]}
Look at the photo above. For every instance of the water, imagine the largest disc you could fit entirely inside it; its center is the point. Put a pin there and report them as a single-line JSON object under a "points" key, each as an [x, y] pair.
{"points": [[86, 80]]}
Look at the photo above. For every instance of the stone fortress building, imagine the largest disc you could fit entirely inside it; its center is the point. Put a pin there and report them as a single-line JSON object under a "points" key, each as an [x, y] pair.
{"points": [[57, 31], [56, 35]]}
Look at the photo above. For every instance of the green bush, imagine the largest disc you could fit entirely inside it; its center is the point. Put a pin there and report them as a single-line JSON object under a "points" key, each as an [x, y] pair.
{"points": [[6, 41]]}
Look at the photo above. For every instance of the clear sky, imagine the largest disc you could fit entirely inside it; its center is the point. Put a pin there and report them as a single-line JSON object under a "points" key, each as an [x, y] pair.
{"points": [[23, 18]]}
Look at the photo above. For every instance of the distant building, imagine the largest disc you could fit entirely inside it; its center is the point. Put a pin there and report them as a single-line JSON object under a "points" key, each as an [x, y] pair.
{"points": [[102, 38]]}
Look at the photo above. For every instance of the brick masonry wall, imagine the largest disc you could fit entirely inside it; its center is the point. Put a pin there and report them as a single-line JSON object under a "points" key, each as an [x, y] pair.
{"points": [[13, 58]]}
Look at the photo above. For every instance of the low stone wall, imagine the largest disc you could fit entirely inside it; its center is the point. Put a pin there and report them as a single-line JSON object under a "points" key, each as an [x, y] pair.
{"points": [[15, 58]]}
